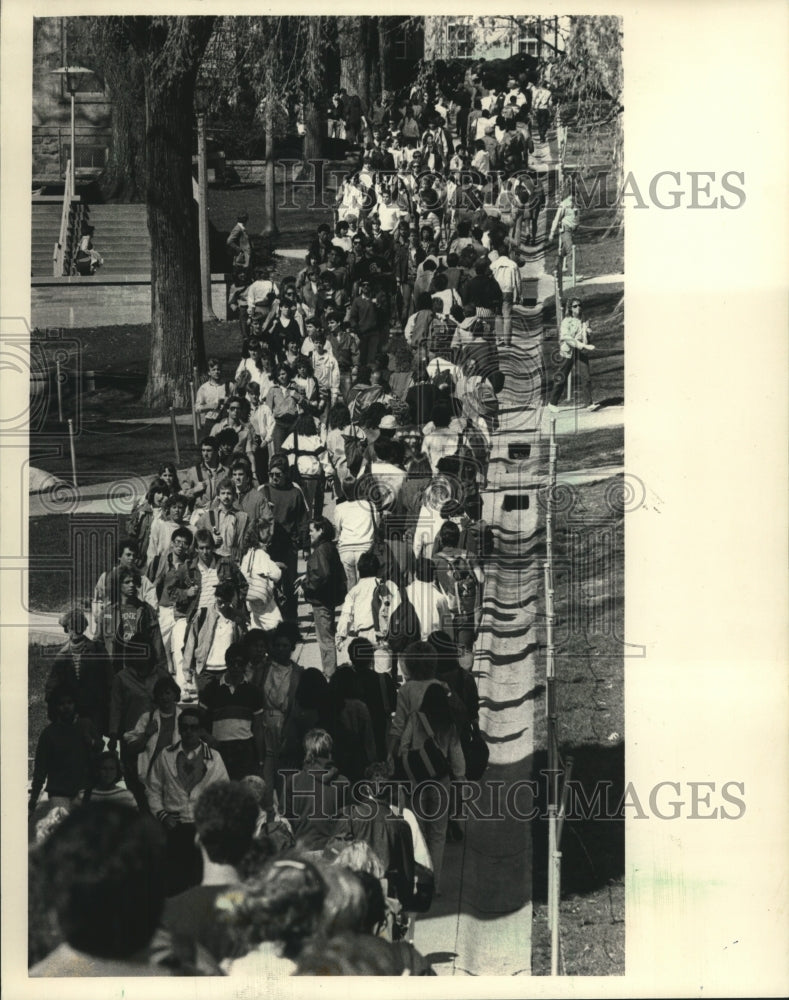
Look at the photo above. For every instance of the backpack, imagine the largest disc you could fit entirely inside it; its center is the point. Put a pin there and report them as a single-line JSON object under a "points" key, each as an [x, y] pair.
{"points": [[404, 625], [467, 462], [381, 604], [428, 763], [355, 448], [474, 440], [443, 379]]}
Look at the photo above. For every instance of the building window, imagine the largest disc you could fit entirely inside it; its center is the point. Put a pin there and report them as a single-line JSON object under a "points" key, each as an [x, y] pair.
{"points": [[528, 45], [460, 42], [401, 45], [89, 156]]}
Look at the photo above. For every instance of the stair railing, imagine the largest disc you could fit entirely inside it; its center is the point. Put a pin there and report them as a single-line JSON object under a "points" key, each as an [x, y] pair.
{"points": [[61, 247]]}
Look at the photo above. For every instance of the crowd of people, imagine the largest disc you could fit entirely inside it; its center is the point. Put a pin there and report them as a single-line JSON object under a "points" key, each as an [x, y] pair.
{"points": [[214, 806]]}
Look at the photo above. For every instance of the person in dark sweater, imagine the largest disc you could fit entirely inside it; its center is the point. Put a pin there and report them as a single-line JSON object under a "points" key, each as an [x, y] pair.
{"points": [[225, 815], [236, 713], [421, 397], [351, 725], [483, 291], [291, 527], [66, 753], [315, 796], [377, 691], [324, 587], [84, 664], [364, 321]]}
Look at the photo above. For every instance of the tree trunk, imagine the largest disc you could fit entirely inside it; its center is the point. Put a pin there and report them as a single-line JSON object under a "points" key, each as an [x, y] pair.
{"points": [[123, 179], [176, 313], [354, 57], [315, 126], [270, 201], [386, 26], [314, 105]]}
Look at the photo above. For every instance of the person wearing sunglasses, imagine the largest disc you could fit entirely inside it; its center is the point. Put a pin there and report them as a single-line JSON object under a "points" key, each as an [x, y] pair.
{"points": [[575, 351], [176, 781]]}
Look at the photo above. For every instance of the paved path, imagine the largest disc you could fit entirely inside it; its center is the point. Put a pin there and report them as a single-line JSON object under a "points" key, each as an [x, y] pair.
{"points": [[482, 924]]}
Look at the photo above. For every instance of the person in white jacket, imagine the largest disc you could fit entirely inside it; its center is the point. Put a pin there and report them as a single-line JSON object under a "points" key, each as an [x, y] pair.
{"points": [[156, 729], [354, 521], [262, 574], [508, 278], [261, 420], [178, 777], [367, 609], [430, 604]]}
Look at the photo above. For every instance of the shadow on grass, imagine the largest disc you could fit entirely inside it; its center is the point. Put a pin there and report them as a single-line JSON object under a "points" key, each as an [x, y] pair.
{"points": [[593, 840]]}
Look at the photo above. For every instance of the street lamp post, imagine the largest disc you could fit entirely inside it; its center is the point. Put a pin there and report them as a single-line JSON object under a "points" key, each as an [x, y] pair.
{"points": [[70, 76], [201, 100]]}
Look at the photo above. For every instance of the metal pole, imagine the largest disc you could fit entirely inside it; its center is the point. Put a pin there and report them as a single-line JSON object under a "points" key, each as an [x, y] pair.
{"points": [[573, 264], [73, 143], [556, 866], [73, 453], [194, 411], [60, 393], [175, 436], [202, 215], [549, 506]]}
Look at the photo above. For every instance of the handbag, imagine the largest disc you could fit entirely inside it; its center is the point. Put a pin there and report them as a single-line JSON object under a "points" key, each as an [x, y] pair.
{"points": [[422, 890], [475, 751], [429, 762], [260, 588]]}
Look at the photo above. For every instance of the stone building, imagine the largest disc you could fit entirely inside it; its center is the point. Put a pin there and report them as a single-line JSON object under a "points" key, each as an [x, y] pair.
{"points": [[494, 37], [52, 108]]}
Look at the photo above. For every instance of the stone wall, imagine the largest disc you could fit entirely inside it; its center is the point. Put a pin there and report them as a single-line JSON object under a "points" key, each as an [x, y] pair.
{"points": [[76, 302], [247, 171]]}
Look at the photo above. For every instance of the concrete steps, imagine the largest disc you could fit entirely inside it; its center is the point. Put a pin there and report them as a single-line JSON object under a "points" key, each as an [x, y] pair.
{"points": [[121, 237], [45, 229]]}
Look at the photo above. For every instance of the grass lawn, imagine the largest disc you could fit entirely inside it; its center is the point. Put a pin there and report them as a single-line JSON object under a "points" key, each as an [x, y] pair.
{"points": [[589, 541], [299, 212], [54, 589], [590, 449]]}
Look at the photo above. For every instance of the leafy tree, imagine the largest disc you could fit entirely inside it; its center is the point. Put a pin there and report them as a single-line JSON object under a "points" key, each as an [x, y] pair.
{"points": [[263, 67], [170, 50], [589, 81], [102, 44]]}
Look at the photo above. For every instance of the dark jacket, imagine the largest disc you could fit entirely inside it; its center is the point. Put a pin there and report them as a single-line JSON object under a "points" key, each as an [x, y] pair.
{"points": [[388, 834], [313, 802], [379, 694], [147, 625], [66, 754], [93, 684], [484, 291], [291, 519], [363, 316], [324, 581], [351, 729]]}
